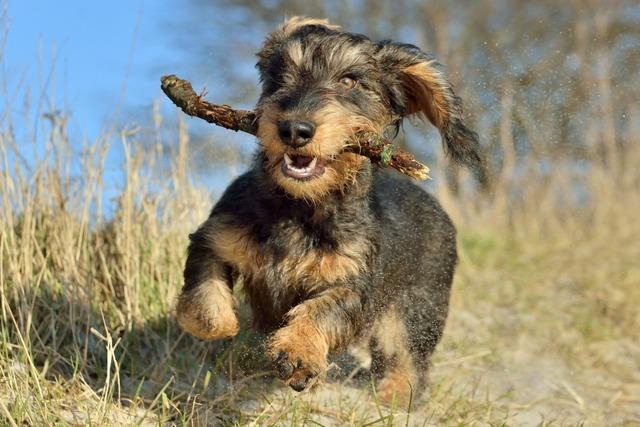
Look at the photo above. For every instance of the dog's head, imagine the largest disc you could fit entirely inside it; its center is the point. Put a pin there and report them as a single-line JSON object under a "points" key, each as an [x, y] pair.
{"points": [[321, 85]]}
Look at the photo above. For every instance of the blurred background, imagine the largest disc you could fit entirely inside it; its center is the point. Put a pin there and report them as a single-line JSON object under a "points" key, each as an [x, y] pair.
{"points": [[102, 179]]}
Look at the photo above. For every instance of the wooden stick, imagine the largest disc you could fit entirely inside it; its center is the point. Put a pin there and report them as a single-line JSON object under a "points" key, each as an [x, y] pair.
{"points": [[381, 151]]}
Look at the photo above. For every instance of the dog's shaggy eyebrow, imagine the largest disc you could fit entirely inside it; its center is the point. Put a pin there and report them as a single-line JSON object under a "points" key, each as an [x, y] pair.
{"points": [[337, 58]]}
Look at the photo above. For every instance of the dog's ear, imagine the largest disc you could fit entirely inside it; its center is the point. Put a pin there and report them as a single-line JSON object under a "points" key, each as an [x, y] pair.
{"points": [[420, 88]]}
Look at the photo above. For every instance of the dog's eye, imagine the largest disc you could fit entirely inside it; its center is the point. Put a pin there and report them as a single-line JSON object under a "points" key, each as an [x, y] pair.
{"points": [[348, 82]]}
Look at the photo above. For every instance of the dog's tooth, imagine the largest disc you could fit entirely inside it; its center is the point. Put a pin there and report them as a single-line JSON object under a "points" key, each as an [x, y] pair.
{"points": [[312, 165], [287, 159]]}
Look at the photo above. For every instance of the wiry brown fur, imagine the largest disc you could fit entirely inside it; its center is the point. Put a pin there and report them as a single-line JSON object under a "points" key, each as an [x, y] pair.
{"points": [[301, 347], [346, 254], [392, 358], [335, 127], [428, 93], [208, 311], [238, 247]]}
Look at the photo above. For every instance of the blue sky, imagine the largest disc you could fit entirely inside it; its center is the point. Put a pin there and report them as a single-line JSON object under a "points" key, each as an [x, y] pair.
{"points": [[93, 60], [101, 63], [100, 51]]}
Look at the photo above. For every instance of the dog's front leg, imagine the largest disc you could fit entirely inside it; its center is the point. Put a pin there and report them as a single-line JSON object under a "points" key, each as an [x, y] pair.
{"points": [[206, 307], [321, 324]]}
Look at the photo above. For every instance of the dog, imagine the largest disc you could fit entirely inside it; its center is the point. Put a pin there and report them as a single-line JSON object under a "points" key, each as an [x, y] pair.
{"points": [[332, 252]]}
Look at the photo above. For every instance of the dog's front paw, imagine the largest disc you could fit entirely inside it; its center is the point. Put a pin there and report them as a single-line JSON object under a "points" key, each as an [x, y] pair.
{"points": [[208, 311], [299, 354]]}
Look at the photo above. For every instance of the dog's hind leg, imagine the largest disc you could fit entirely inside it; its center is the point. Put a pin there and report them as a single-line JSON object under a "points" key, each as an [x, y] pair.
{"points": [[392, 364], [404, 340], [414, 330]]}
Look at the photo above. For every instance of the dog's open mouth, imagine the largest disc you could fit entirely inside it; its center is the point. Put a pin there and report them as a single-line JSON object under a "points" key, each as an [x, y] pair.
{"points": [[302, 167]]}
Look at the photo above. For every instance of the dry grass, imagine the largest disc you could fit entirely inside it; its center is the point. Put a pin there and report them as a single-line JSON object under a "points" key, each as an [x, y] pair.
{"points": [[544, 325]]}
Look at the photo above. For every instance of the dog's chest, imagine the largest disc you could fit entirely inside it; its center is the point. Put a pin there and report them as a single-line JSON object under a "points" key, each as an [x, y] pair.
{"points": [[290, 254]]}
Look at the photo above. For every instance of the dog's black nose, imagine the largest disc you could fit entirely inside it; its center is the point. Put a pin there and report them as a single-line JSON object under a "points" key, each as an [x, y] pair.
{"points": [[296, 133]]}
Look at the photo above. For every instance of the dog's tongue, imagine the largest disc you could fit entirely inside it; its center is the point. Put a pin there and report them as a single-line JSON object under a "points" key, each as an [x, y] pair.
{"points": [[302, 161]]}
